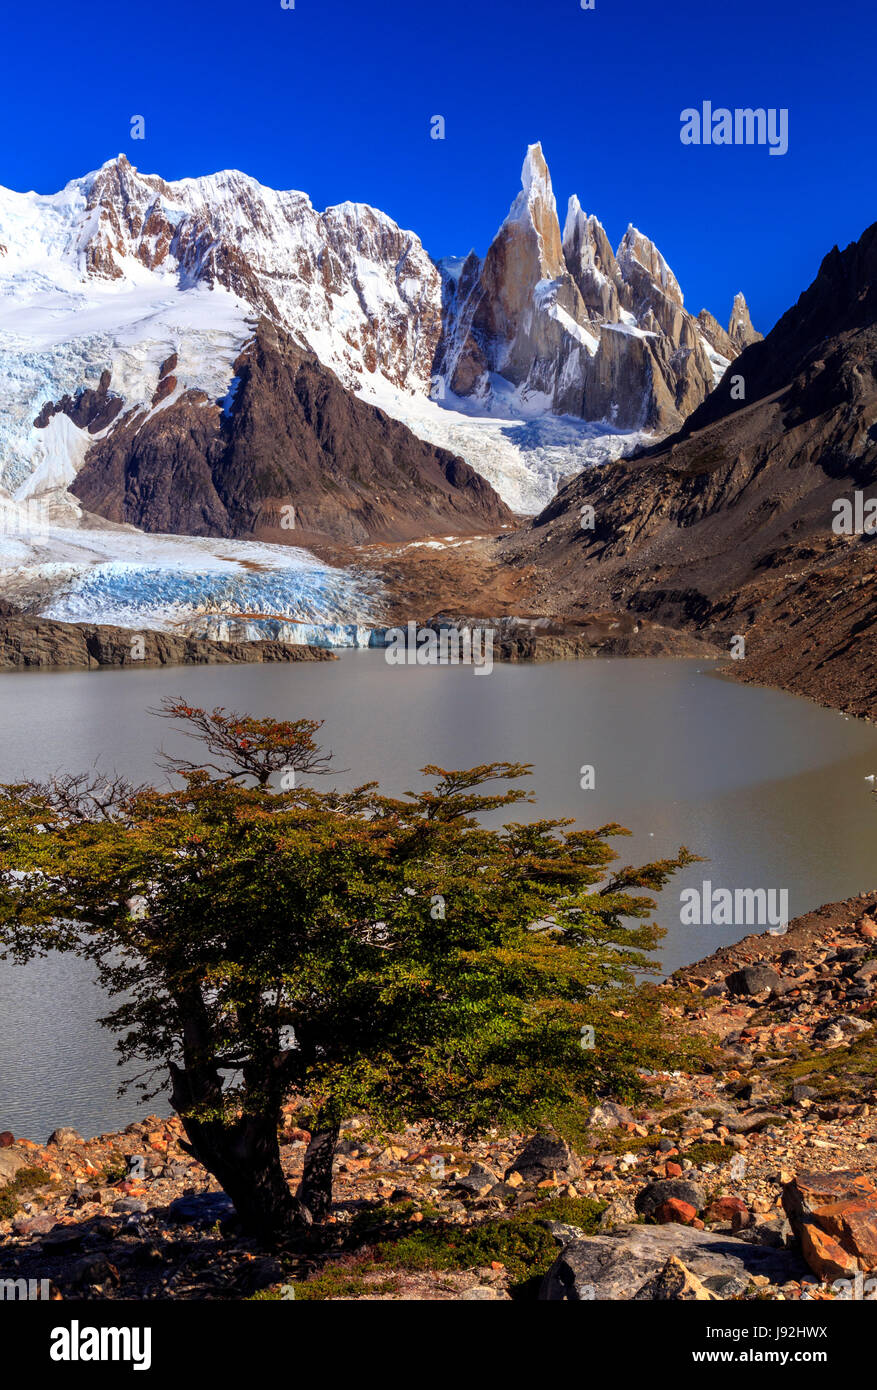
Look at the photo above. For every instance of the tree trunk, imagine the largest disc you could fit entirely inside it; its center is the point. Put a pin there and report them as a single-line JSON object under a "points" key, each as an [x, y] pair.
{"points": [[315, 1188], [244, 1156]]}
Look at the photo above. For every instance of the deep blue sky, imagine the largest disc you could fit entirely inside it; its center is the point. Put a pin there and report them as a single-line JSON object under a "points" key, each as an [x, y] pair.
{"points": [[335, 96]]}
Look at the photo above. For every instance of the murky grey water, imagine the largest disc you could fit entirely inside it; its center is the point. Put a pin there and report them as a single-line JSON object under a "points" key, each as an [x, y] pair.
{"points": [[771, 788]]}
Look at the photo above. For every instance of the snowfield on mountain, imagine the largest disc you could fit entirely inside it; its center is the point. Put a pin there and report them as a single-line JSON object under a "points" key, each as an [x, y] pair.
{"points": [[551, 355]]}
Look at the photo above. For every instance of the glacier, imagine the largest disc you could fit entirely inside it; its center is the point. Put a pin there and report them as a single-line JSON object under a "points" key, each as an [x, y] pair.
{"points": [[198, 586]]}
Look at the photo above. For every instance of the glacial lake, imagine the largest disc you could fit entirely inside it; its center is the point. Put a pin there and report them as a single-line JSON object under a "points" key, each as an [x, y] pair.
{"points": [[769, 787]]}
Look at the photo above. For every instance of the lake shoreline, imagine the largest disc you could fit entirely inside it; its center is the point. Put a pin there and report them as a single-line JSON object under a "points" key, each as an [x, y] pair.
{"points": [[730, 1151], [771, 791], [46, 645]]}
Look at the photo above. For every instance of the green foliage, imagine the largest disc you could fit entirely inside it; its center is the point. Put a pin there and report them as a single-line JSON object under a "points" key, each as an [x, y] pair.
{"points": [[519, 1241], [846, 1071], [20, 1189], [709, 1151], [369, 953], [344, 1279]]}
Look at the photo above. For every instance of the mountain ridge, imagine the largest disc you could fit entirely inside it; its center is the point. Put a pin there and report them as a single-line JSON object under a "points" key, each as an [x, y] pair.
{"points": [[727, 527], [596, 333], [121, 268]]}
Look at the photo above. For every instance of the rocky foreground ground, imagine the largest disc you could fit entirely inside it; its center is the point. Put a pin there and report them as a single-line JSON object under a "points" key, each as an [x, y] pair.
{"points": [[755, 1178]]}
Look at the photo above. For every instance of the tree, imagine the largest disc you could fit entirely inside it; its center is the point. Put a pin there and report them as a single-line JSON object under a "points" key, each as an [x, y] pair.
{"points": [[360, 951]]}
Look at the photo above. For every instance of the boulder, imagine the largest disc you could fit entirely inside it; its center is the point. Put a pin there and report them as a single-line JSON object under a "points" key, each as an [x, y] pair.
{"points": [[776, 1232], [617, 1265], [619, 1212], [833, 1032], [806, 1193], [39, 1225], [801, 1091], [202, 1209], [652, 1198], [728, 1209], [609, 1115], [132, 1206], [478, 1181], [563, 1232], [753, 1121], [545, 1156], [10, 1164], [64, 1239], [834, 1216], [753, 979], [674, 1210], [825, 1256], [62, 1138], [93, 1269]]}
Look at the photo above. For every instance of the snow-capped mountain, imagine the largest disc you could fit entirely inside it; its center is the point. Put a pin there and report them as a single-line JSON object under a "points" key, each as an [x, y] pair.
{"points": [[552, 354], [582, 330], [121, 269], [356, 288]]}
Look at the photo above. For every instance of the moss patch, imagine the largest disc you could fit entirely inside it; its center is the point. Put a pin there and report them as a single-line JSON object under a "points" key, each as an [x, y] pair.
{"points": [[842, 1072], [709, 1151], [22, 1186], [519, 1241], [337, 1280]]}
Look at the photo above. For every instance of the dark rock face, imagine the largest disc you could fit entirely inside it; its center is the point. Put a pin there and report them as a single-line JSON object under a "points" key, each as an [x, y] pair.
{"points": [[293, 438], [91, 409], [28, 643], [727, 527], [841, 300]]}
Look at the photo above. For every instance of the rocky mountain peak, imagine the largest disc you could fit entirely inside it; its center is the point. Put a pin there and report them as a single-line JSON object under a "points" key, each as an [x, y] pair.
{"points": [[535, 208], [740, 329], [636, 253], [125, 217], [593, 333], [548, 323], [728, 525], [591, 262], [535, 178], [715, 334]]}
